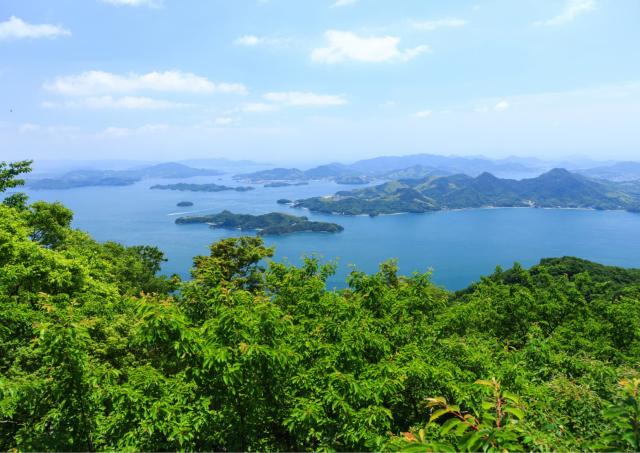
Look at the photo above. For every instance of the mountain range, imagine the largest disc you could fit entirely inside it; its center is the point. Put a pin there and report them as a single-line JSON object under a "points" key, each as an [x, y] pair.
{"points": [[557, 188]]}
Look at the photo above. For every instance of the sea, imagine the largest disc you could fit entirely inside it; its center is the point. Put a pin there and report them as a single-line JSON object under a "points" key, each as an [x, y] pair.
{"points": [[456, 247]]}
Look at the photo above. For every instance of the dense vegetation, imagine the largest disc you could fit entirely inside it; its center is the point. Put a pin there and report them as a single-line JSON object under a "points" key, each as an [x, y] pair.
{"points": [[185, 187], [97, 352], [557, 188], [273, 223], [86, 178]]}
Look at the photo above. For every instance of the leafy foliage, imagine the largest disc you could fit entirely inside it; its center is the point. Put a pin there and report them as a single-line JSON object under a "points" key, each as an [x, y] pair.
{"points": [[98, 352]]}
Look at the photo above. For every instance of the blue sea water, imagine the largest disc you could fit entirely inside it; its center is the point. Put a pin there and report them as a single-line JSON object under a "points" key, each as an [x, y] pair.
{"points": [[458, 246]]}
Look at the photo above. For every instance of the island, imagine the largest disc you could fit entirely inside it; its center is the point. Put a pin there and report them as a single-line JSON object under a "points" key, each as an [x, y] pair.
{"points": [[88, 178], [284, 201], [184, 204], [184, 187], [274, 223], [285, 184], [352, 180], [557, 188]]}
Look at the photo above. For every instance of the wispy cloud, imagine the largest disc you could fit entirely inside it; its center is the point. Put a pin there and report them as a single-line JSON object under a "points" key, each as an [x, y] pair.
{"points": [[16, 28], [223, 121], [257, 107], [347, 46], [423, 114], [148, 3], [109, 102], [501, 106], [92, 83], [339, 3], [254, 41], [572, 9], [430, 25], [304, 99]]}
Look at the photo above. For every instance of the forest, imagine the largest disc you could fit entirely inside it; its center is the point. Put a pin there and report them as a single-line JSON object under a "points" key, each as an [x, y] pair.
{"points": [[99, 351]]}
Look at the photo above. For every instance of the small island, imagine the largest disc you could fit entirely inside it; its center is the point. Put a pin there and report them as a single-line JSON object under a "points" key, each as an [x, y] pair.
{"points": [[184, 187], [274, 223], [184, 204], [284, 201], [285, 184]]}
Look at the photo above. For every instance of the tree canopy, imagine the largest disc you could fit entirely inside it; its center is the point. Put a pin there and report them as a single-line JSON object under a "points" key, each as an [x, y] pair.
{"points": [[99, 352]]}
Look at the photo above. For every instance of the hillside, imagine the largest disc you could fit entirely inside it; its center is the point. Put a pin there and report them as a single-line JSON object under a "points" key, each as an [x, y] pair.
{"points": [[273, 223], [98, 352], [557, 188]]}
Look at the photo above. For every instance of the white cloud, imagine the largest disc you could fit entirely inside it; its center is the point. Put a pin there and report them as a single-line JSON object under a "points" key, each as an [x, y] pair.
{"points": [[344, 45], [16, 28], [339, 3], [92, 83], [149, 3], [501, 106], [109, 102], [248, 40], [304, 99], [572, 9], [254, 41], [423, 114], [431, 25]]}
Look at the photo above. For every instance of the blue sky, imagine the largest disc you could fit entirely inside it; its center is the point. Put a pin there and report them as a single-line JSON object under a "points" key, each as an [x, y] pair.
{"points": [[306, 81]]}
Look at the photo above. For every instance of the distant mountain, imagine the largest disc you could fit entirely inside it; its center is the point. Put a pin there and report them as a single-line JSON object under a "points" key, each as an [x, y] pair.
{"points": [[621, 171], [471, 166], [557, 188], [86, 178], [398, 167]]}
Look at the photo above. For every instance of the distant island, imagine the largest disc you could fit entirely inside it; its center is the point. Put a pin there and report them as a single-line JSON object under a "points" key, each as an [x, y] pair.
{"points": [[274, 223], [285, 184], [284, 201], [88, 178], [557, 188], [184, 187], [184, 204], [399, 167], [352, 180]]}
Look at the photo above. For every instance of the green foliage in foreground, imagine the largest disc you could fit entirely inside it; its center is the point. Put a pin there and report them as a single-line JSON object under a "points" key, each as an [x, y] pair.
{"points": [[97, 352]]}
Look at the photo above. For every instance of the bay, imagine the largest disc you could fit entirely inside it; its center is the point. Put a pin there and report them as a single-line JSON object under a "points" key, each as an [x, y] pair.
{"points": [[458, 246]]}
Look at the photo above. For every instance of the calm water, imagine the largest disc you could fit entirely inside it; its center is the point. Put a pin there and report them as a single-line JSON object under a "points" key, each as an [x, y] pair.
{"points": [[459, 246]]}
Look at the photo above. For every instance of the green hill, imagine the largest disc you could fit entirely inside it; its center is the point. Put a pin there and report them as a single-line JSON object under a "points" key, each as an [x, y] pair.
{"points": [[98, 352], [557, 188]]}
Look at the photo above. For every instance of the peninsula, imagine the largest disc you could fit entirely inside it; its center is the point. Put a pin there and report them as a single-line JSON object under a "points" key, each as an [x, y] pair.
{"points": [[184, 187], [274, 223], [557, 188]]}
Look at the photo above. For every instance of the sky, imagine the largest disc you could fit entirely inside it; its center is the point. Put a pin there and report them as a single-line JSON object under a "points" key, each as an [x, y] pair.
{"points": [[311, 81]]}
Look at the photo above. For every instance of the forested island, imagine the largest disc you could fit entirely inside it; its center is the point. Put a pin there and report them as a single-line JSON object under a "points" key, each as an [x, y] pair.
{"points": [[184, 204], [88, 178], [184, 187], [557, 188], [100, 352], [274, 223]]}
